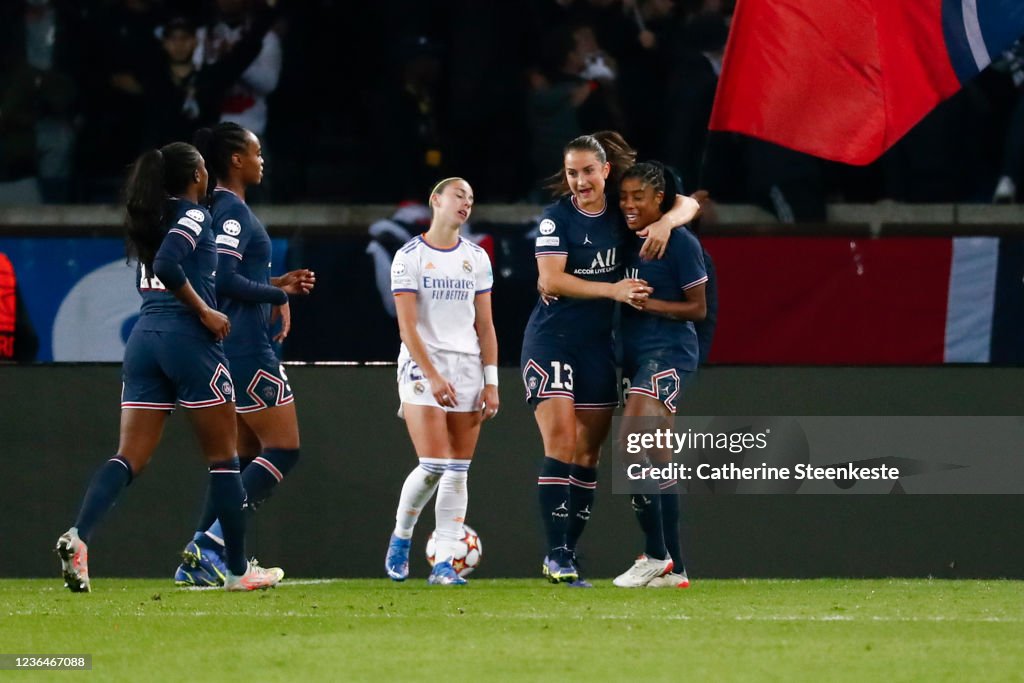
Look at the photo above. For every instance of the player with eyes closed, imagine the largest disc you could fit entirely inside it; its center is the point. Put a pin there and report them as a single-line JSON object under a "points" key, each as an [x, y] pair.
{"points": [[447, 373]]}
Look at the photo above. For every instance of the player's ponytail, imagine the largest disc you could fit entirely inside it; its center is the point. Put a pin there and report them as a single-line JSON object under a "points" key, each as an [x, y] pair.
{"points": [[155, 176], [145, 198], [617, 152]]}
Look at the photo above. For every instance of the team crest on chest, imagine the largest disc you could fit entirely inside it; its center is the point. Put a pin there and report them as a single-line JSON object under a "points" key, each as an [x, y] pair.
{"points": [[467, 266]]}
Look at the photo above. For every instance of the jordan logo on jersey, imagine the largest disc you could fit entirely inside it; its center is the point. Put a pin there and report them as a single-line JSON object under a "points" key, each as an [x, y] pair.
{"points": [[586, 239]]}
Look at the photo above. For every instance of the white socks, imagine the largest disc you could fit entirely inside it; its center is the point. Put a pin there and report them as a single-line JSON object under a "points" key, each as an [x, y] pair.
{"points": [[450, 509], [418, 488]]}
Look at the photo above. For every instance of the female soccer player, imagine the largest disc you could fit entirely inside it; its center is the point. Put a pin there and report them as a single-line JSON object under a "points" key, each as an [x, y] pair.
{"points": [[268, 431], [660, 353], [567, 360], [447, 373], [174, 353]]}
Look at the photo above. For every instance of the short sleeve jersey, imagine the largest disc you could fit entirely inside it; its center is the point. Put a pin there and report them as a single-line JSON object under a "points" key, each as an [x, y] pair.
{"points": [[161, 310], [446, 283], [592, 244], [680, 269], [240, 235]]}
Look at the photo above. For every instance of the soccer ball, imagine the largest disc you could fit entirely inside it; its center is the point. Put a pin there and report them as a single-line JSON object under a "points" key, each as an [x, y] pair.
{"points": [[467, 555]]}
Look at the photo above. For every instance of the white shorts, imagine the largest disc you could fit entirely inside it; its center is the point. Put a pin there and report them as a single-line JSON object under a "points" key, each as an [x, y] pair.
{"points": [[463, 370]]}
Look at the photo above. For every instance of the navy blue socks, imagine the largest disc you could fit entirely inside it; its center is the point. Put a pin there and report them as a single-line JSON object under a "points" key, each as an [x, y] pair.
{"points": [[106, 485]]}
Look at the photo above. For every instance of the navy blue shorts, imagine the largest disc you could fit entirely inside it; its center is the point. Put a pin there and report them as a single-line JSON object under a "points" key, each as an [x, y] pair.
{"points": [[262, 381], [161, 368], [584, 373], [657, 376]]}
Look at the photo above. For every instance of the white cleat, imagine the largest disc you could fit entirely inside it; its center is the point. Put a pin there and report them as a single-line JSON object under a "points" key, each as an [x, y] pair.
{"points": [[254, 578], [643, 571], [74, 561], [670, 580]]}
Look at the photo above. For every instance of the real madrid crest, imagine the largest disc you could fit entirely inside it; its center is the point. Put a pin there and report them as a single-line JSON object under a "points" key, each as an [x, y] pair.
{"points": [[467, 266], [418, 388]]}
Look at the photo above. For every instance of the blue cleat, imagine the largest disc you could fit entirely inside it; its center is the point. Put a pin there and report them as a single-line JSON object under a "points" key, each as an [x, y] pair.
{"points": [[559, 568], [210, 561], [579, 581], [396, 562], [194, 577], [444, 574]]}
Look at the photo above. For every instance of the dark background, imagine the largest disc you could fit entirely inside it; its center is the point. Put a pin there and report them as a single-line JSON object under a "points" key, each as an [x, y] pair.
{"points": [[333, 515]]}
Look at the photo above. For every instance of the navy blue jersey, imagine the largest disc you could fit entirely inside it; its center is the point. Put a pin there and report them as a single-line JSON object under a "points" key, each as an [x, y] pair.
{"points": [[681, 268], [592, 244], [189, 232], [244, 292]]}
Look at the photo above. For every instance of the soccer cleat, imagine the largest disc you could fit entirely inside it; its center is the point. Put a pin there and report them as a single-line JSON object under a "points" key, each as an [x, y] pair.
{"points": [[580, 582], [74, 561], [210, 561], [670, 580], [194, 576], [254, 578], [396, 562], [643, 571], [443, 574], [559, 568]]}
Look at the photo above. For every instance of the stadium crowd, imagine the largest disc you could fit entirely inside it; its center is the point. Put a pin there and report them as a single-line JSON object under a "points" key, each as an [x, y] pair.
{"points": [[371, 102]]}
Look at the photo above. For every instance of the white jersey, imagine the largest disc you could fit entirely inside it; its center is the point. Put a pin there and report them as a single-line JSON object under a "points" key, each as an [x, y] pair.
{"points": [[446, 283]]}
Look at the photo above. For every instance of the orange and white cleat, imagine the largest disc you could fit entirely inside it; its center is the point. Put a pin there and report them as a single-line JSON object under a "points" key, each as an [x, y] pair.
{"points": [[670, 580], [74, 561], [254, 578]]}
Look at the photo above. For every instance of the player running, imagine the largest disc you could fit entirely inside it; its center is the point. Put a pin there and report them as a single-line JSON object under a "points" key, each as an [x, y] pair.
{"points": [[447, 373], [659, 356], [268, 429], [174, 354]]}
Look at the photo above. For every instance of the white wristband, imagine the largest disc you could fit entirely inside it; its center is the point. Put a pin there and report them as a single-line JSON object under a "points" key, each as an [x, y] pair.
{"points": [[491, 374]]}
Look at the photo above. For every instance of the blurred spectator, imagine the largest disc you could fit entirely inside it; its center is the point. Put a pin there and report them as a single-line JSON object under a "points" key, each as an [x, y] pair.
{"points": [[645, 61], [121, 44], [36, 100], [563, 104], [406, 122], [696, 66], [180, 97], [245, 102]]}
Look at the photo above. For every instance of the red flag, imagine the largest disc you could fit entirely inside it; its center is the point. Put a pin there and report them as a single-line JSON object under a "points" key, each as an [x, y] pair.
{"points": [[845, 79]]}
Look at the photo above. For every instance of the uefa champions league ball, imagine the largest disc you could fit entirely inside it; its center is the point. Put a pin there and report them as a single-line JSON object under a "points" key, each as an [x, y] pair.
{"points": [[467, 554]]}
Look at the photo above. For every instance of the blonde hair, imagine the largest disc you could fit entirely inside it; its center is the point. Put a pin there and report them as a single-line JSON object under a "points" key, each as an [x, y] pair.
{"points": [[441, 184]]}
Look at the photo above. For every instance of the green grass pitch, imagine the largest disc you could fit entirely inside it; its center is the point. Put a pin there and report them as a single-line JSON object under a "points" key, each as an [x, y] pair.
{"points": [[498, 630]]}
